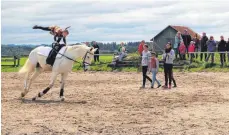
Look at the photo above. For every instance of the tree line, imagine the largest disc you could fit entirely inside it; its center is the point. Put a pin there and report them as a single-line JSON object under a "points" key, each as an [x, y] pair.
{"points": [[18, 50]]}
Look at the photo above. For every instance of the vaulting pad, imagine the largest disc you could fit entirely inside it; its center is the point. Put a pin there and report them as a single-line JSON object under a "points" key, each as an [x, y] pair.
{"points": [[46, 50]]}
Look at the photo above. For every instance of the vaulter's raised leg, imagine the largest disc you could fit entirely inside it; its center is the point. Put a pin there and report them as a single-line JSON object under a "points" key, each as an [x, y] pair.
{"points": [[42, 28], [63, 78], [53, 79]]}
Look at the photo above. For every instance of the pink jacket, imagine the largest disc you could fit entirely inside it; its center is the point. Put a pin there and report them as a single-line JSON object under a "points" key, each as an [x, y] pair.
{"points": [[182, 49], [191, 48]]}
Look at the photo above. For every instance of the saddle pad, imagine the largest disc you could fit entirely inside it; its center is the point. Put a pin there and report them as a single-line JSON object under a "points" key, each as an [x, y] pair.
{"points": [[45, 51]]}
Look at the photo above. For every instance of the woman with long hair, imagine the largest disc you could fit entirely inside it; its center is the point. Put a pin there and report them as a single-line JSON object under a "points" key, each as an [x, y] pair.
{"points": [[168, 58]]}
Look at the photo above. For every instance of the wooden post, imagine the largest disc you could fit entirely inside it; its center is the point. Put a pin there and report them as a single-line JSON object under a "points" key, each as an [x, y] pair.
{"points": [[18, 62], [15, 58]]}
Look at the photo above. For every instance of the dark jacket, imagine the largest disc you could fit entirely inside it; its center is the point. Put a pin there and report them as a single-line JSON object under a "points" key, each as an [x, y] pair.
{"points": [[197, 42], [203, 42], [187, 39], [222, 46], [227, 46], [96, 46]]}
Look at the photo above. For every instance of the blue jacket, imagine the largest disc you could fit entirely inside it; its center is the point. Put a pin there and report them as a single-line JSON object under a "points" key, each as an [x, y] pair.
{"points": [[211, 45], [177, 41]]}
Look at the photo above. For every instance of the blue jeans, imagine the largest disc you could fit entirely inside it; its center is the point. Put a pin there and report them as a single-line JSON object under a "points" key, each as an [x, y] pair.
{"points": [[154, 78]]}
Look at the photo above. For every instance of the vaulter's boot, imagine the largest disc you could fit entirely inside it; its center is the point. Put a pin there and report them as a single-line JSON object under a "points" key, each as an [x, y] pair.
{"points": [[35, 27]]}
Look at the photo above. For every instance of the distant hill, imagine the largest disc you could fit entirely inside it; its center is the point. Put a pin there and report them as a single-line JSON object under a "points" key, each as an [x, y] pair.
{"points": [[16, 50]]}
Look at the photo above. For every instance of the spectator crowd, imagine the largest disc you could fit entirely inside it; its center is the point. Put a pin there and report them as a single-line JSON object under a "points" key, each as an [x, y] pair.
{"points": [[206, 47], [184, 46]]}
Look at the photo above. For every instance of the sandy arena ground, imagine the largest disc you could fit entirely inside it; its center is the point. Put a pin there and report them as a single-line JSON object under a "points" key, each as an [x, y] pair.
{"points": [[111, 103]]}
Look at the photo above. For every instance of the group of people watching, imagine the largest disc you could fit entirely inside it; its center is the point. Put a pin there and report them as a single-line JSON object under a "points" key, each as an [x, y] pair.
{"points": [[184, 44]]}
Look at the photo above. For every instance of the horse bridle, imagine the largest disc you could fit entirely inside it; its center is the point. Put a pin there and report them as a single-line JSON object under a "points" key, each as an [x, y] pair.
{"points": [[83, 62]]}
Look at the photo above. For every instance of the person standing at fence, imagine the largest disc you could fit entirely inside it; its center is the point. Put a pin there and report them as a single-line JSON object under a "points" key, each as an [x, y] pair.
{"points": [[222, 49], [191, 50], [227, 49], [154, 67], [211, 44], [187, 39], [168, 58], [178, 40], [140, 47], [182, 50], [197, 44], [203, 46], [96, 56], [145, 64]]}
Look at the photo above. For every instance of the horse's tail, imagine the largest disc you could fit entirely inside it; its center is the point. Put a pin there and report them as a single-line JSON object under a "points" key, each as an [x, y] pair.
{"points": [[29, 66], [26, 68]]}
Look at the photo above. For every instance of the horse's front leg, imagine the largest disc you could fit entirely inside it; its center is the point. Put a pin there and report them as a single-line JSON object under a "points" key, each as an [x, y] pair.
{"points": [[53, 79], [63, 79]]}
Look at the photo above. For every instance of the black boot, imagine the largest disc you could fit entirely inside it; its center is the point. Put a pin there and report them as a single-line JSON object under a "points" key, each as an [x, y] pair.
{"points": [[35, 27]]}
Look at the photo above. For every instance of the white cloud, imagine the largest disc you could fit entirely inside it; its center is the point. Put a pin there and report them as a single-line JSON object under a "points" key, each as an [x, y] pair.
{"points": [[110, 20]]}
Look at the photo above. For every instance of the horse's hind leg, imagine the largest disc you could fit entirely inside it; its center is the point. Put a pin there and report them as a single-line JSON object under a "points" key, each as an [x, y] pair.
{"points": [[40, 94], [29, 82], [25, 84]]}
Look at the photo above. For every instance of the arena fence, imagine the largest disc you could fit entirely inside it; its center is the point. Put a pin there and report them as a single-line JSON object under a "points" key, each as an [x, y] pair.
{"points": [[10, 61]]}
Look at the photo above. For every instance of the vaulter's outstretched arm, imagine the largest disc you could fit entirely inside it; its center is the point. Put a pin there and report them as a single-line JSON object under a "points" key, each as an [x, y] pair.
{"points": [[64, 39]]}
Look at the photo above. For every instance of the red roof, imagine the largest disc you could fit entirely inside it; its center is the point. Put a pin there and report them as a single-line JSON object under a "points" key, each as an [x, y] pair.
{"points": [[182, 28]]}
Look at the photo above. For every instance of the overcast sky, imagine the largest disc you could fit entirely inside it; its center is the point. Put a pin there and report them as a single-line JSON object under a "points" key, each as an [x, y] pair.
{"points": [[110, 20]]}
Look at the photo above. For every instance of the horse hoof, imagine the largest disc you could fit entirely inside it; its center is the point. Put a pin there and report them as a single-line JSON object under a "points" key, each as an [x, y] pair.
{"points": [[22, 94], [34, 98], [62, 98]]}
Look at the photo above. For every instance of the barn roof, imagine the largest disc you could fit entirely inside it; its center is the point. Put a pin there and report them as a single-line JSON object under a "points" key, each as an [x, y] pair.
{"points": [[179, 28]]}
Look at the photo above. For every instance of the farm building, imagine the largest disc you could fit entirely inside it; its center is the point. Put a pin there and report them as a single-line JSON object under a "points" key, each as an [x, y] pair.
{"points": [[168, 35]]}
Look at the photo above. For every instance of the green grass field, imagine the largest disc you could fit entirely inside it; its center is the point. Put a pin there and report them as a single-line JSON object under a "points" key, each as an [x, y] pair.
{"points": [[196, 66], [94, 66]]}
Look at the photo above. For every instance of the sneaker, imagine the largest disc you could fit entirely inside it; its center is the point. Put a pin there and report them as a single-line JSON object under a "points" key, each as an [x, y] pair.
{"points": [[158, 86], [165, 87], [174, 86], [143, 87]]}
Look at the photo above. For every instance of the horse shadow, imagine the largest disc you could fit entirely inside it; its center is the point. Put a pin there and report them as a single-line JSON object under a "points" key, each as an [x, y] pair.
{"points": [[43, 101]]}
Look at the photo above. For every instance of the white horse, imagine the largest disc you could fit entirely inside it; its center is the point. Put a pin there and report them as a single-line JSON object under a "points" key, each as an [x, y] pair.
{"points": [[36, 63]]}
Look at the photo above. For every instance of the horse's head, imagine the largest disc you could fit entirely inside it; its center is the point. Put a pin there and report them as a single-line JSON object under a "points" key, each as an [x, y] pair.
{"points": [[83, 51], [89, 55]]}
